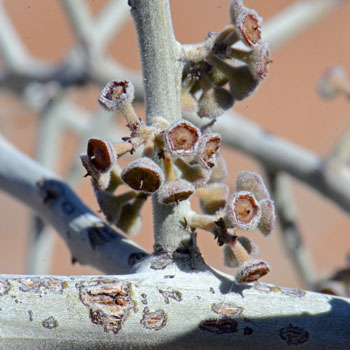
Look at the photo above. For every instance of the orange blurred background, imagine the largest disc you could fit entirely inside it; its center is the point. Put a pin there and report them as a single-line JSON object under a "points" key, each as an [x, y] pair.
{"points": [[286, 104]]}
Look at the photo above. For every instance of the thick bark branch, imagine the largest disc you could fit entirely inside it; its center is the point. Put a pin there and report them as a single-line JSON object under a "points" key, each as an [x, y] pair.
{"points": [[89, 239], [166, 309]]}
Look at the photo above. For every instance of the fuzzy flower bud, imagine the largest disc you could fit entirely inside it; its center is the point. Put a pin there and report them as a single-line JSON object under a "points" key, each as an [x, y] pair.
{"points": [[212, 197], [143, 175], [175, 191], [214, 101], [249, 181], [181, 138], [268, 217], [244, 211]]}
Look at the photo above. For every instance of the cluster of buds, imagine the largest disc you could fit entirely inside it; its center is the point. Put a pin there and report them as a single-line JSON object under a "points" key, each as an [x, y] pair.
{"points": [[217, 61], [180, 160]]}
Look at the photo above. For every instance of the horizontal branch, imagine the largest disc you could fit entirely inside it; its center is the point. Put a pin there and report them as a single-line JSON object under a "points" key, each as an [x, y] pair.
{"points": [[89, 239], [281, 155], [168, 308]]}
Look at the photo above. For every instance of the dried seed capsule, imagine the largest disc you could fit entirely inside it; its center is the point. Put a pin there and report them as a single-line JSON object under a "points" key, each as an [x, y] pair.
{"points": [[212, 197], [219, 171], [258, 59], [143, 175], [253, 182], [252, 270], [244, 211], [175, 191], [118, 95], [102, 154], [181, 138], [268, 217], [101, 179], [242, 81], [247, 23], [214, 101], [208, 147], [194, 173]]}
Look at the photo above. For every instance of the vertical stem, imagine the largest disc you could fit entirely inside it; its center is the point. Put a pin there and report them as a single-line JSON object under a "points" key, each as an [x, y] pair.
{"points": [[162, 80], [159, 55]]}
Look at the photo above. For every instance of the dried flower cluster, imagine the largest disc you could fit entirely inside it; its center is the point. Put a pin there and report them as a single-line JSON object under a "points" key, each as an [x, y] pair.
{"points": [[180, 160], [209, 66]]}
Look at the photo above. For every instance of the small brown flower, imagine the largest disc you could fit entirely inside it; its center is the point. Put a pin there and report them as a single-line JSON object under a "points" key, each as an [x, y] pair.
{"points": [[208, 147], [252, 270]]}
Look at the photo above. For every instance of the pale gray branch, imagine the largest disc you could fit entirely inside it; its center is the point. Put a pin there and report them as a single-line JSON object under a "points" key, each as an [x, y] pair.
{"points": [[166, 309], [89, 239]]}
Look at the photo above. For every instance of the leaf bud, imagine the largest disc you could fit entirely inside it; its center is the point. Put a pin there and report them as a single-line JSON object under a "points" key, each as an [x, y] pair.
{"points": [[143, 175], [268, 217], [208, 147], [181, 138], [175, 191], [253, 182], [244, 211], [212, 197], [102, 154]]}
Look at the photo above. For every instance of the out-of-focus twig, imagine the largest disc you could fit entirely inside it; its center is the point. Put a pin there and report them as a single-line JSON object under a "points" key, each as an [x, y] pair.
{"points": [[290, 233]]}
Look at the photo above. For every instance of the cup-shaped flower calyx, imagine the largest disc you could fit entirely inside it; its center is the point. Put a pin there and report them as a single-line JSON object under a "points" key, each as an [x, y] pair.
{"points": [[118, 95], [143, 175], [244, 211], [212, 197], [247, 23], [258, 59], [101, 179], [249, 181], [181, 138], [214, 101], [175, 191], [236, 257], [208, 147], [102, 154]]}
